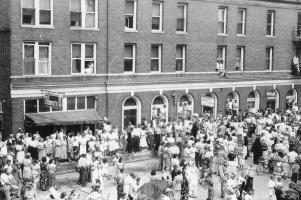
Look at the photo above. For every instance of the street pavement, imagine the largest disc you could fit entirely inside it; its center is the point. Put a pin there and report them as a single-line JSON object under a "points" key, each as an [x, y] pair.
{"points": [[67, 182]]}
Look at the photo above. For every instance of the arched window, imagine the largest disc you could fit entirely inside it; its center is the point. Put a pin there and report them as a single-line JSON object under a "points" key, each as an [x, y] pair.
{"points": [[232, 103], [291, 98], [159, 108], [185, 107], [253, 100], [131, 112], [209, 104], [273, 99]]}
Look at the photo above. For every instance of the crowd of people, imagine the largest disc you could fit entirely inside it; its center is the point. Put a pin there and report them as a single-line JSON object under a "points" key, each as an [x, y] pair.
{"points": [[192, 149]]}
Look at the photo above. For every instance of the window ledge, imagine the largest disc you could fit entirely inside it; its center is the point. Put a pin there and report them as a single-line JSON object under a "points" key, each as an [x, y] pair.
{"points": [[38, 26], [270, 36], [130, 30], [38, 75], [181, 33], [180, 72], [72, 74], [129, 73], [222, 34], [240, 35], [83, 29], [155, 72], [156, 31]]}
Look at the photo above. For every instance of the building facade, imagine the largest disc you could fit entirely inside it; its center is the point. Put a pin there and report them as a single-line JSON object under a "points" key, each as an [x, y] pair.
{"points": [[73, 62]]}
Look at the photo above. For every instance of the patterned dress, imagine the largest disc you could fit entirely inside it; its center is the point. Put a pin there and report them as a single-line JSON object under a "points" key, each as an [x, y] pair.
{"points": [[44, 176], [185, 186]]}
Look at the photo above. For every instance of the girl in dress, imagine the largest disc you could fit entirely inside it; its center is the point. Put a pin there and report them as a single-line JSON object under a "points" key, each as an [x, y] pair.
{"points": [[51, 170], [20, 152], [64, 155], [41, 149], [35, 174], [58, 148], [49, 146], [70, 146], [44, 174], [143, 143], [27, 167]]}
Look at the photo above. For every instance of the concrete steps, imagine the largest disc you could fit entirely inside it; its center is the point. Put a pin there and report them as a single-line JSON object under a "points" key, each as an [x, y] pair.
{"points": [[69, 167]]}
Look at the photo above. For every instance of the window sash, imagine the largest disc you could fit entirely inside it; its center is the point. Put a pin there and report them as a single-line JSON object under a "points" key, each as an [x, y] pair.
{"points": [[221, 54], [82, 17], [269, 58], [270, 23], [130, 18], [241, 24], [180, 60], [82, 60], [157, 19], [240, 58], [182, 21], [129, 61], [222, 21], [40, 17], [156, 61]]}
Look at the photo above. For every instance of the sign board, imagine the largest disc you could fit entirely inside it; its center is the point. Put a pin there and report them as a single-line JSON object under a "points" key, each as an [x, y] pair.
{"points": [[207, 101], [53, 100]]}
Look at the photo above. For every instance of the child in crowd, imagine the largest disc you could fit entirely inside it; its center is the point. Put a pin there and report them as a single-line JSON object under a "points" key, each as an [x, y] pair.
{"points": [[52, 170]]}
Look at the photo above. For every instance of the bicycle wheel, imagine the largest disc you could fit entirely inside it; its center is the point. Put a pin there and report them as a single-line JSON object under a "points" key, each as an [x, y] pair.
{"points": [[259, 170]]}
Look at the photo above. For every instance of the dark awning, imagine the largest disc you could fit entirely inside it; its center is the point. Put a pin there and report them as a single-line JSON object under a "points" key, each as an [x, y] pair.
{"points": [[64, 118]]}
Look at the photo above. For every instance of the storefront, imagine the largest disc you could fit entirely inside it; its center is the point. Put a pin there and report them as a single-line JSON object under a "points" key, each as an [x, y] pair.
{"points": [[209, 104], [291, 98], [131, 112], [253, 100], [159, 108], [185, 107], [273, 99]]}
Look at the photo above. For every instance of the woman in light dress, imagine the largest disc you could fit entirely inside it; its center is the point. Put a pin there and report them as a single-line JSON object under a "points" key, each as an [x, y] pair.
{"points": [[20, 153], [113, 144], [82, 144], [49, 146], [143, 143], [58, 148], [36, 171], [41, 148], [64, 155], [27, 167]]}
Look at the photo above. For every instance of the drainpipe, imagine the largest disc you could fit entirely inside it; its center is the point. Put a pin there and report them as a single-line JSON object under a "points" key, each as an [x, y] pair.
{"points": [[107, 60]]}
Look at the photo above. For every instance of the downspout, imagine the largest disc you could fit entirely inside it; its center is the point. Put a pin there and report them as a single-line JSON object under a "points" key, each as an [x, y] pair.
{"points": [[107, 61]]}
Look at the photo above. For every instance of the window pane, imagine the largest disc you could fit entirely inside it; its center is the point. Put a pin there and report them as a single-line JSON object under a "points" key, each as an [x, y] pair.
{"points": [[28, 16], [128, 65], [179, 65], [130, 102], [76, 66], [28, 3], [71, 103], [45, 17], [156, 9], [239, 28], [28, 51], [129, 7], [180, 11], [129, 21], [76, 19], [154, 65], [128, 51], [29, 67], [90, 102], [221, 15], [31, 106], [179, 53], [269, 18], [89, 51], [156, 23], [89, 67], [43, 107], [221, 27], [90, 5], [90, 20], [76, 48], [180, 24], [76, 5], [44, 4], [43, 68], [81, 103], [158, 101], [155, 51], [44, 53]]}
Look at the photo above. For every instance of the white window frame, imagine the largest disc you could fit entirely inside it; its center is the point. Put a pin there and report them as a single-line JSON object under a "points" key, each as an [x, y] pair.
{"points": [[159, 58], [126, 29], [83, 58], [224, 20], [272, 30], [244, 12], [133, 58], [83, 18], [36, 57], [271, 58], [37, 16], [242, 58], [161, 17], [224, 49], [183, 48], [86, 103], [185, 18]]}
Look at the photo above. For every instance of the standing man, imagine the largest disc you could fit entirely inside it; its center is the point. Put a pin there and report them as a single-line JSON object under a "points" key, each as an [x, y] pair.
{"points": [[223, 173]]}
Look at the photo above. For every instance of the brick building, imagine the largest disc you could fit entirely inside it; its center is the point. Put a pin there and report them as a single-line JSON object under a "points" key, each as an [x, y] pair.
{"points": [[129, 59]]}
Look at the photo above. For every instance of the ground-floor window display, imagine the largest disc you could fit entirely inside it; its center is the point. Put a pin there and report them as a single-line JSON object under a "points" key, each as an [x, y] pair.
{"points": [[253, 100], [185, 107], [159, 108], [209, 104], [273, 99], [232, 103], [131, 112], [291, 98]]}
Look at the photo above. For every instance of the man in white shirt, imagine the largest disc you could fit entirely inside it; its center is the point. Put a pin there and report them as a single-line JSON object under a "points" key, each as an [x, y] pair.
{"points": [[3, 152], [9, 185]]}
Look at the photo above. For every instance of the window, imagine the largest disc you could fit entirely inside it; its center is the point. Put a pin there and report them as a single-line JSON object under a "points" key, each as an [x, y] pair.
{"points": [[83, 58], [271, 23], [241, 24], [180, 58], [36, 58], [130, 15], [222, 21], [42, 106], [37, 12], [269, 55], [157, 12], [38, 106], [221, 56], [182, 18], [81, 103], [83, 13], [240, 58], [129, 57], [156, 58]]}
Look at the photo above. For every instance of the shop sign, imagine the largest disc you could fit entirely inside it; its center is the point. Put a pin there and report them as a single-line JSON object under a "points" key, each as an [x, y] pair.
{"points": [[53, 100], [207, 101]]}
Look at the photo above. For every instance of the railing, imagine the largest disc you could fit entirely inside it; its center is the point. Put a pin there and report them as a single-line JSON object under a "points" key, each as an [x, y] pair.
{"points": [[297, 34]]}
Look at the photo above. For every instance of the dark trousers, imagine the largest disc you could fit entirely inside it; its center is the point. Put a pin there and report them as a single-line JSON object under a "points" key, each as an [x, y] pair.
{"points": [[136, 143], [157, 138], [129, 147], [198, 159], [294, 177]]}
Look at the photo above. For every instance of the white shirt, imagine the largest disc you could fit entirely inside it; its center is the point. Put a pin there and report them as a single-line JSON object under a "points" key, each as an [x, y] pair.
{"points": [[3, 149], [4, 178]]}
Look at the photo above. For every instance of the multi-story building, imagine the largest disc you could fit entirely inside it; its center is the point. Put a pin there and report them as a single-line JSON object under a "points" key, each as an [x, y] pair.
{"points": [[73, 62]]}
